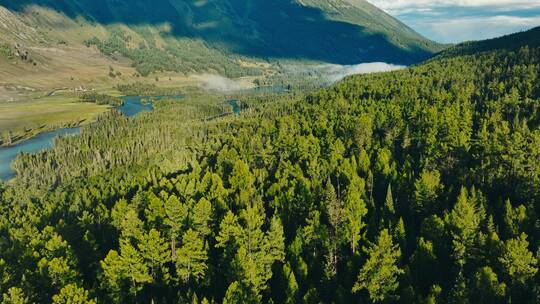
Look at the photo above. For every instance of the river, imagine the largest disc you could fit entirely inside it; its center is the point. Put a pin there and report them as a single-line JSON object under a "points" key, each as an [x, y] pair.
{"points": [[132, 106]]}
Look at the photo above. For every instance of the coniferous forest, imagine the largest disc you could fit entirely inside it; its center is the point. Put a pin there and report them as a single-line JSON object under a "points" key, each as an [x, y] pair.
{"points": [[415, 186]]}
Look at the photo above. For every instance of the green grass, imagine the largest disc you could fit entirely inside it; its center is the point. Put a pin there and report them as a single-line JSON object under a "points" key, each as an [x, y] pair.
{"points": [[29, 118]]}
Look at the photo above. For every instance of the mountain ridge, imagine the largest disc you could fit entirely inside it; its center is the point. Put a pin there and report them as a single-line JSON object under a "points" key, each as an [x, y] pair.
{"points": [[334, 31], [513, 41]]}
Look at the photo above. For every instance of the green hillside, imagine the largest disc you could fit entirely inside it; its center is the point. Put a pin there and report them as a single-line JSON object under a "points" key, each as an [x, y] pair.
{"points": [[184, 35], [415, 186], [512, 42]]}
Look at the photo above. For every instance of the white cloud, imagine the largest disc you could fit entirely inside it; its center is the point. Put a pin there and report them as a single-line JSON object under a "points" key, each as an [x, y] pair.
{"points": [[452, 21], [474, 28], [395, 6]]}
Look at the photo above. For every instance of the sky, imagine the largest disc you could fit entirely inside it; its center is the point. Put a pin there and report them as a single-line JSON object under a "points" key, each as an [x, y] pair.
{"points": [[451, 21]]}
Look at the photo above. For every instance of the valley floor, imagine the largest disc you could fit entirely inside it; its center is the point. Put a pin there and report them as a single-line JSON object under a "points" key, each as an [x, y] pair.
{"points": [[25, 119]]}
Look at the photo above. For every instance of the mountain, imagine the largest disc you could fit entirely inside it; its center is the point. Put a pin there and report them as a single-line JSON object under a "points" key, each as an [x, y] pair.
{"points": [[530, 38], [416, 186], [223, 36]]}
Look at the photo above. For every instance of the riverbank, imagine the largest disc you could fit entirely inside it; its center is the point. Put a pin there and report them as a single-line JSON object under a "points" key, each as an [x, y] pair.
{"points": [[25, 115], [131, 106], [40, 142], [22, 120], [18, 139]]}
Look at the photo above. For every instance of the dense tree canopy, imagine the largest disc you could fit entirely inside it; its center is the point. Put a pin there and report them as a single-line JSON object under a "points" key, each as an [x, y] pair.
{"points": [[421, 185]]}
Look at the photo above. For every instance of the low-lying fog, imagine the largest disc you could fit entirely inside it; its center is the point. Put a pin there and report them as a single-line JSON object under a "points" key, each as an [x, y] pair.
{"points": [[326, 73], [335, 72], [219, 83]]}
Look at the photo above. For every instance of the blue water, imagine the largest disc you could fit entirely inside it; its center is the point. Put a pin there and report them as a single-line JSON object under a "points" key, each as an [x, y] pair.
{"points": [[37, 143], [132, 106], [235, 106]]}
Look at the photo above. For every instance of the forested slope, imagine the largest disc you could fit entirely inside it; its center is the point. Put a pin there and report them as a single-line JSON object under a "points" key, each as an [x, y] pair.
{"points": [[509, 42], [421, 185]]}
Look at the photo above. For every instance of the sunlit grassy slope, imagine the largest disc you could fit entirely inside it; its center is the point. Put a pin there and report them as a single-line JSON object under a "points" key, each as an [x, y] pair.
{"points": [[218, 35], [26, 119]]}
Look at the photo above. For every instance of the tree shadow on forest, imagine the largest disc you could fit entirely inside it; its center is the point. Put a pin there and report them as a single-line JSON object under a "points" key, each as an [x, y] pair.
{"points": [[262, 28]]}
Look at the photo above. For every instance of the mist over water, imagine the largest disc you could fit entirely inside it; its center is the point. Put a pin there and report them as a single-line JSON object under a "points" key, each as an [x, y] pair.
{"points": [[335, 72], [214, 82], [326, 74]]}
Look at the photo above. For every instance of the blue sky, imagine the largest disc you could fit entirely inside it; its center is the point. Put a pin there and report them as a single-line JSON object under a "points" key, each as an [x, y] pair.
{"points": [[461, 20]]}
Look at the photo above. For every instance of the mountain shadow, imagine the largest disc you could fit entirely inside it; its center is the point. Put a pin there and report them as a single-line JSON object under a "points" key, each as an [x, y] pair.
{"points": [[272, 29]]}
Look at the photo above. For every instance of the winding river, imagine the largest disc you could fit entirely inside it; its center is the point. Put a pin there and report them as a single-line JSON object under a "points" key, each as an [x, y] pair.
{"points": [[132, 106]]}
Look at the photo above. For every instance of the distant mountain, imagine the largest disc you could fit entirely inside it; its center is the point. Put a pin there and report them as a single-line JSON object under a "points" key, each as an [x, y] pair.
{"points": [[530, 38], [333, 31]]}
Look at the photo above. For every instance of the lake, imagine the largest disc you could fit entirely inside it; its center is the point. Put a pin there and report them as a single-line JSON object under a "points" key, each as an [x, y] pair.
{"points": [[132, 106]]}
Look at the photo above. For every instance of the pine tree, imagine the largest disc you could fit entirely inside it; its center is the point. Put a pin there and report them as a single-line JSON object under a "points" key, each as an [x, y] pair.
{"points": [[194, 299], [363, 161], [242, 183], [5, 276], [127, 266], [274, 244], [335, 215], [155, 211], [251, 259], [291, 288], [514, 218], [229, 229], [254, 250], [314, 232], [126, 219], [399, 234], [132, 225], [155, 252], [71, 294], [518, 262], [191, 257], [389, 210], [14, 295], [177, 213], [464, 222], [201, 216], [487, 288], [379, 275], [134, 268], [355, 211], [214, 190], [113, 274], [238, 293], [389, 202], [434, 295], [426, 190]]}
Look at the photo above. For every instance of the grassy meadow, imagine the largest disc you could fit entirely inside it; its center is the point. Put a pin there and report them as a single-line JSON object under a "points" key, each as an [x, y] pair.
{"points": [[24, 119]]}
